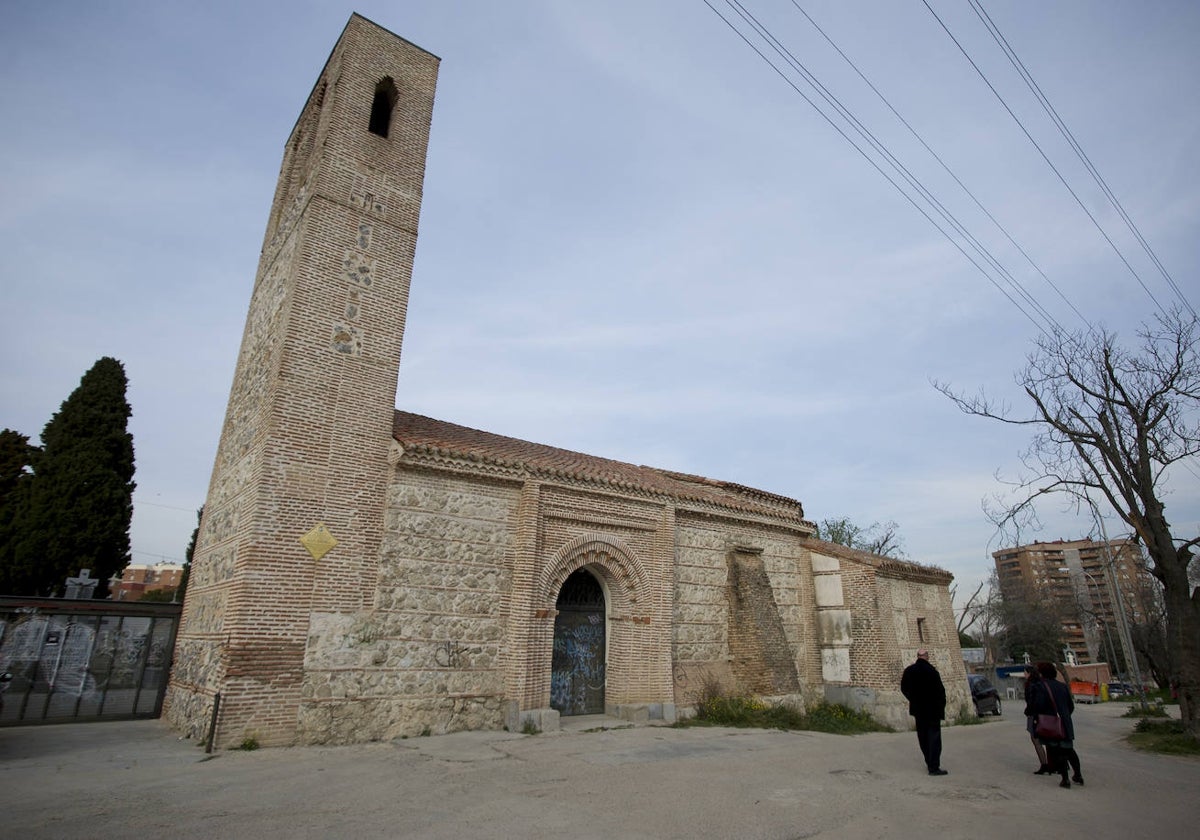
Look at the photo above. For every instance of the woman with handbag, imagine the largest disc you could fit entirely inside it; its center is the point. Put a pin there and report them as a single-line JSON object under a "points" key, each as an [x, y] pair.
{"points": [[1032, 677], [1051, 702]]}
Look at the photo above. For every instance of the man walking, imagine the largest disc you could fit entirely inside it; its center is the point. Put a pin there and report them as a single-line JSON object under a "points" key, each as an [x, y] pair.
{"points": [[922, 687]]}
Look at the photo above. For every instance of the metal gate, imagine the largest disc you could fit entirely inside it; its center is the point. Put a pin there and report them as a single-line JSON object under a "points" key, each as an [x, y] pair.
{"points": [[84, 660], [577, 666]]}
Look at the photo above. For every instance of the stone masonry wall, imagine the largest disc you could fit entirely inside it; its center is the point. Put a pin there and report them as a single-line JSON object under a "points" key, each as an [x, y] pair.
{"points": [[701, 642], [429, 655]]}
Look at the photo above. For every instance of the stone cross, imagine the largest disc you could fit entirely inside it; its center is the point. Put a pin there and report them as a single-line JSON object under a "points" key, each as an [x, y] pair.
{"points": [[82, 587]]}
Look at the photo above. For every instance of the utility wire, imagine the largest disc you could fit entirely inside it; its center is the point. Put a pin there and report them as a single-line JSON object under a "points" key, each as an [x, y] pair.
{"points": [[779, 49], [1049, 163], [943, 164], [138, 501], [1050, 110]]}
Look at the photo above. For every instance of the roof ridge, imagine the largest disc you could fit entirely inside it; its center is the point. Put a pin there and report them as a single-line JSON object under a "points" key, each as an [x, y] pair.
{"points": [[422, 433]]}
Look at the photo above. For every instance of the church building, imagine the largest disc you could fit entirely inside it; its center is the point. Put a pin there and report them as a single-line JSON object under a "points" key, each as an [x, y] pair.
{"points": [[364, 573]]}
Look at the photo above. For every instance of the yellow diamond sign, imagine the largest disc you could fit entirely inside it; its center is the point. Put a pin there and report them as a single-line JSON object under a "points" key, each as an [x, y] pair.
{"points": [[318, 541]]}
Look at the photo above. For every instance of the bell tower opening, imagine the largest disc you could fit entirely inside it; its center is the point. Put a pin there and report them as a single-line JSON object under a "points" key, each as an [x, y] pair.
{"points": [[577, 668], [381, 107]]}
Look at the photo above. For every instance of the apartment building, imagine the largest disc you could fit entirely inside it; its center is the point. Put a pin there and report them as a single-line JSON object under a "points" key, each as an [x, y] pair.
{"points": [[1090, 581], [136, 580]]}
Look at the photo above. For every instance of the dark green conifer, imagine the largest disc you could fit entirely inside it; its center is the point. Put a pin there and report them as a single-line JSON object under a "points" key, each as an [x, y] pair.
{"points": [[16, 456], [77, 506]]}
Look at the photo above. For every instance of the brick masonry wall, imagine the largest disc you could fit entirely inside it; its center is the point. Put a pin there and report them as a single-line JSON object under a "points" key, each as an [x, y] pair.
{"points": [[309, 419], [899, 605], [761, 659]]}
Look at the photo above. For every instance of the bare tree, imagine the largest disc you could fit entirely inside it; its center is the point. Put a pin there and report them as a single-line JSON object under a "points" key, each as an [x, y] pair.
{"points": [[1030, 622], [1109, 424], [981, 618], [878, 538], [969, 616]]}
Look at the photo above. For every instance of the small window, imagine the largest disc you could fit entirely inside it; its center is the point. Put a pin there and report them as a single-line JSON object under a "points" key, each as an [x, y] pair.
{"points": [[921, 629], [381, 107]]}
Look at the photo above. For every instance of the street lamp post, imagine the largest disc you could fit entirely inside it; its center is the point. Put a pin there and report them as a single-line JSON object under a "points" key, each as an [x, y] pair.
{"points": [[1119, 607], [1112, 653], [1089, 612]]}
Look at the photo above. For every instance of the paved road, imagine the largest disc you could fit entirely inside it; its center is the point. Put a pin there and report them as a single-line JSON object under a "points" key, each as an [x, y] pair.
{"points": [[136, 780]]}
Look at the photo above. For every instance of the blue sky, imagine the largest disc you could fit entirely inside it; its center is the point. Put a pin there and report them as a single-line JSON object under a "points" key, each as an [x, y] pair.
{"points": [[637, 241]]}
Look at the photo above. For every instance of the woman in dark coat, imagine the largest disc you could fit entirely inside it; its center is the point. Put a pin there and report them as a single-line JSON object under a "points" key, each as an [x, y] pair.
{"points": [[1049, 697], [1032, 677]]}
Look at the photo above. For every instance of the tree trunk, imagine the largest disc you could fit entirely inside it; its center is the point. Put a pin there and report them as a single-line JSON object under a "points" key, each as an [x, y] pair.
{"points": [[1183, 639]]}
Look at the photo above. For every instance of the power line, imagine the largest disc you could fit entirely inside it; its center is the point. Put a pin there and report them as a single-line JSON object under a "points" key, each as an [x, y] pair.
{"points": [[1049, 163], [137, 502], [943, 164], [1050, 110], [777, 46], [173, 560]]}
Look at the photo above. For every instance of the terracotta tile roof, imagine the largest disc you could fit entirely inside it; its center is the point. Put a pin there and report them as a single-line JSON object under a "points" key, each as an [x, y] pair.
{"points": [[418, 433]]}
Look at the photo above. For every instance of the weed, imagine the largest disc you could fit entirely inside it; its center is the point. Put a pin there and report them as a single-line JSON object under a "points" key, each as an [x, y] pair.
{"points": [[426, 732], [841, 720], [714, 707], [529, 727], [1140, 711], [967, 716], [248, 743], [1163, 736]]}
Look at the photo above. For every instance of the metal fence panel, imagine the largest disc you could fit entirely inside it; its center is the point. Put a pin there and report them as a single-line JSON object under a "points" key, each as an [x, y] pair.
{"points": [[84, 660]]}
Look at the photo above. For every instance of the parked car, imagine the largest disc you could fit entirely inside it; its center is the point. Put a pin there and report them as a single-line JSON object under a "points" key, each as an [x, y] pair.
{"points": [[1121, 689], [986, 697]]}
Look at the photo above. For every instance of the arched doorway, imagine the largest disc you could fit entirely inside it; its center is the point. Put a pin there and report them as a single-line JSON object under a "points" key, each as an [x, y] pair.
{"points": [[577, 664]]}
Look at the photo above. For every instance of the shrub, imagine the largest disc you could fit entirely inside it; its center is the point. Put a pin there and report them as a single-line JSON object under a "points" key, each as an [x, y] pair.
{"points": [[1140, 711], [841, 720], [715, 707], [1163, 736]]}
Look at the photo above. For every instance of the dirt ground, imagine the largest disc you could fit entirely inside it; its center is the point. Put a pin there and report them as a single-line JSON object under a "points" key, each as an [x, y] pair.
{"points": [[136, 779]]}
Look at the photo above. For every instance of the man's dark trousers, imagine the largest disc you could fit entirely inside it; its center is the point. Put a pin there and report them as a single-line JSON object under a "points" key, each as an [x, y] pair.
{"points": [[929, 736]]}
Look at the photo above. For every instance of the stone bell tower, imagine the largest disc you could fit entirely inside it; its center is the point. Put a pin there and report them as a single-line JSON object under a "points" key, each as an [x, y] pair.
{"points": [[295, 512]]}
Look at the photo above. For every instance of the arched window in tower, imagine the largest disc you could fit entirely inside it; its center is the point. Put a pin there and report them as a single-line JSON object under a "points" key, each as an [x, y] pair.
{"points": [[381, 107]]}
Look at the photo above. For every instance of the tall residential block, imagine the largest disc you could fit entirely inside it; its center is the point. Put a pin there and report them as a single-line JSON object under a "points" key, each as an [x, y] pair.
{"points": [[1091, 583]]}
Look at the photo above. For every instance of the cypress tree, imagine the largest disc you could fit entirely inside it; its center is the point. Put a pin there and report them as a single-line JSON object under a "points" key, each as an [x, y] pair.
{"points": [[16, 456], [76, 511]]}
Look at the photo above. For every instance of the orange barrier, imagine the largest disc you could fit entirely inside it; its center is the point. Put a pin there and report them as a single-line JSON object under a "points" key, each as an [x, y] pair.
{"points": [[1085, 692]]}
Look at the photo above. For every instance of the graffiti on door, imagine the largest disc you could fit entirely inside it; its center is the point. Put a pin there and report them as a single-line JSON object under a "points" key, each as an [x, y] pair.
{"points": [[577, 665]]}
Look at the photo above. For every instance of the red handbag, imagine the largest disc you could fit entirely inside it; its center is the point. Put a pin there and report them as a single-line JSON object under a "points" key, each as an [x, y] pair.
{"points": [[1050, 727]]}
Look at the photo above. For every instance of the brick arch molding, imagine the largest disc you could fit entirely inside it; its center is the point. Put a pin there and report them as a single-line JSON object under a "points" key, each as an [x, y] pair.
{"points": [[622, 572]]}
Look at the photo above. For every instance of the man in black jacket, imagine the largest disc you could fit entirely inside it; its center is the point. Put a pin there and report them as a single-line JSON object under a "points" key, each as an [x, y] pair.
{"points": [[922, 686]]}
